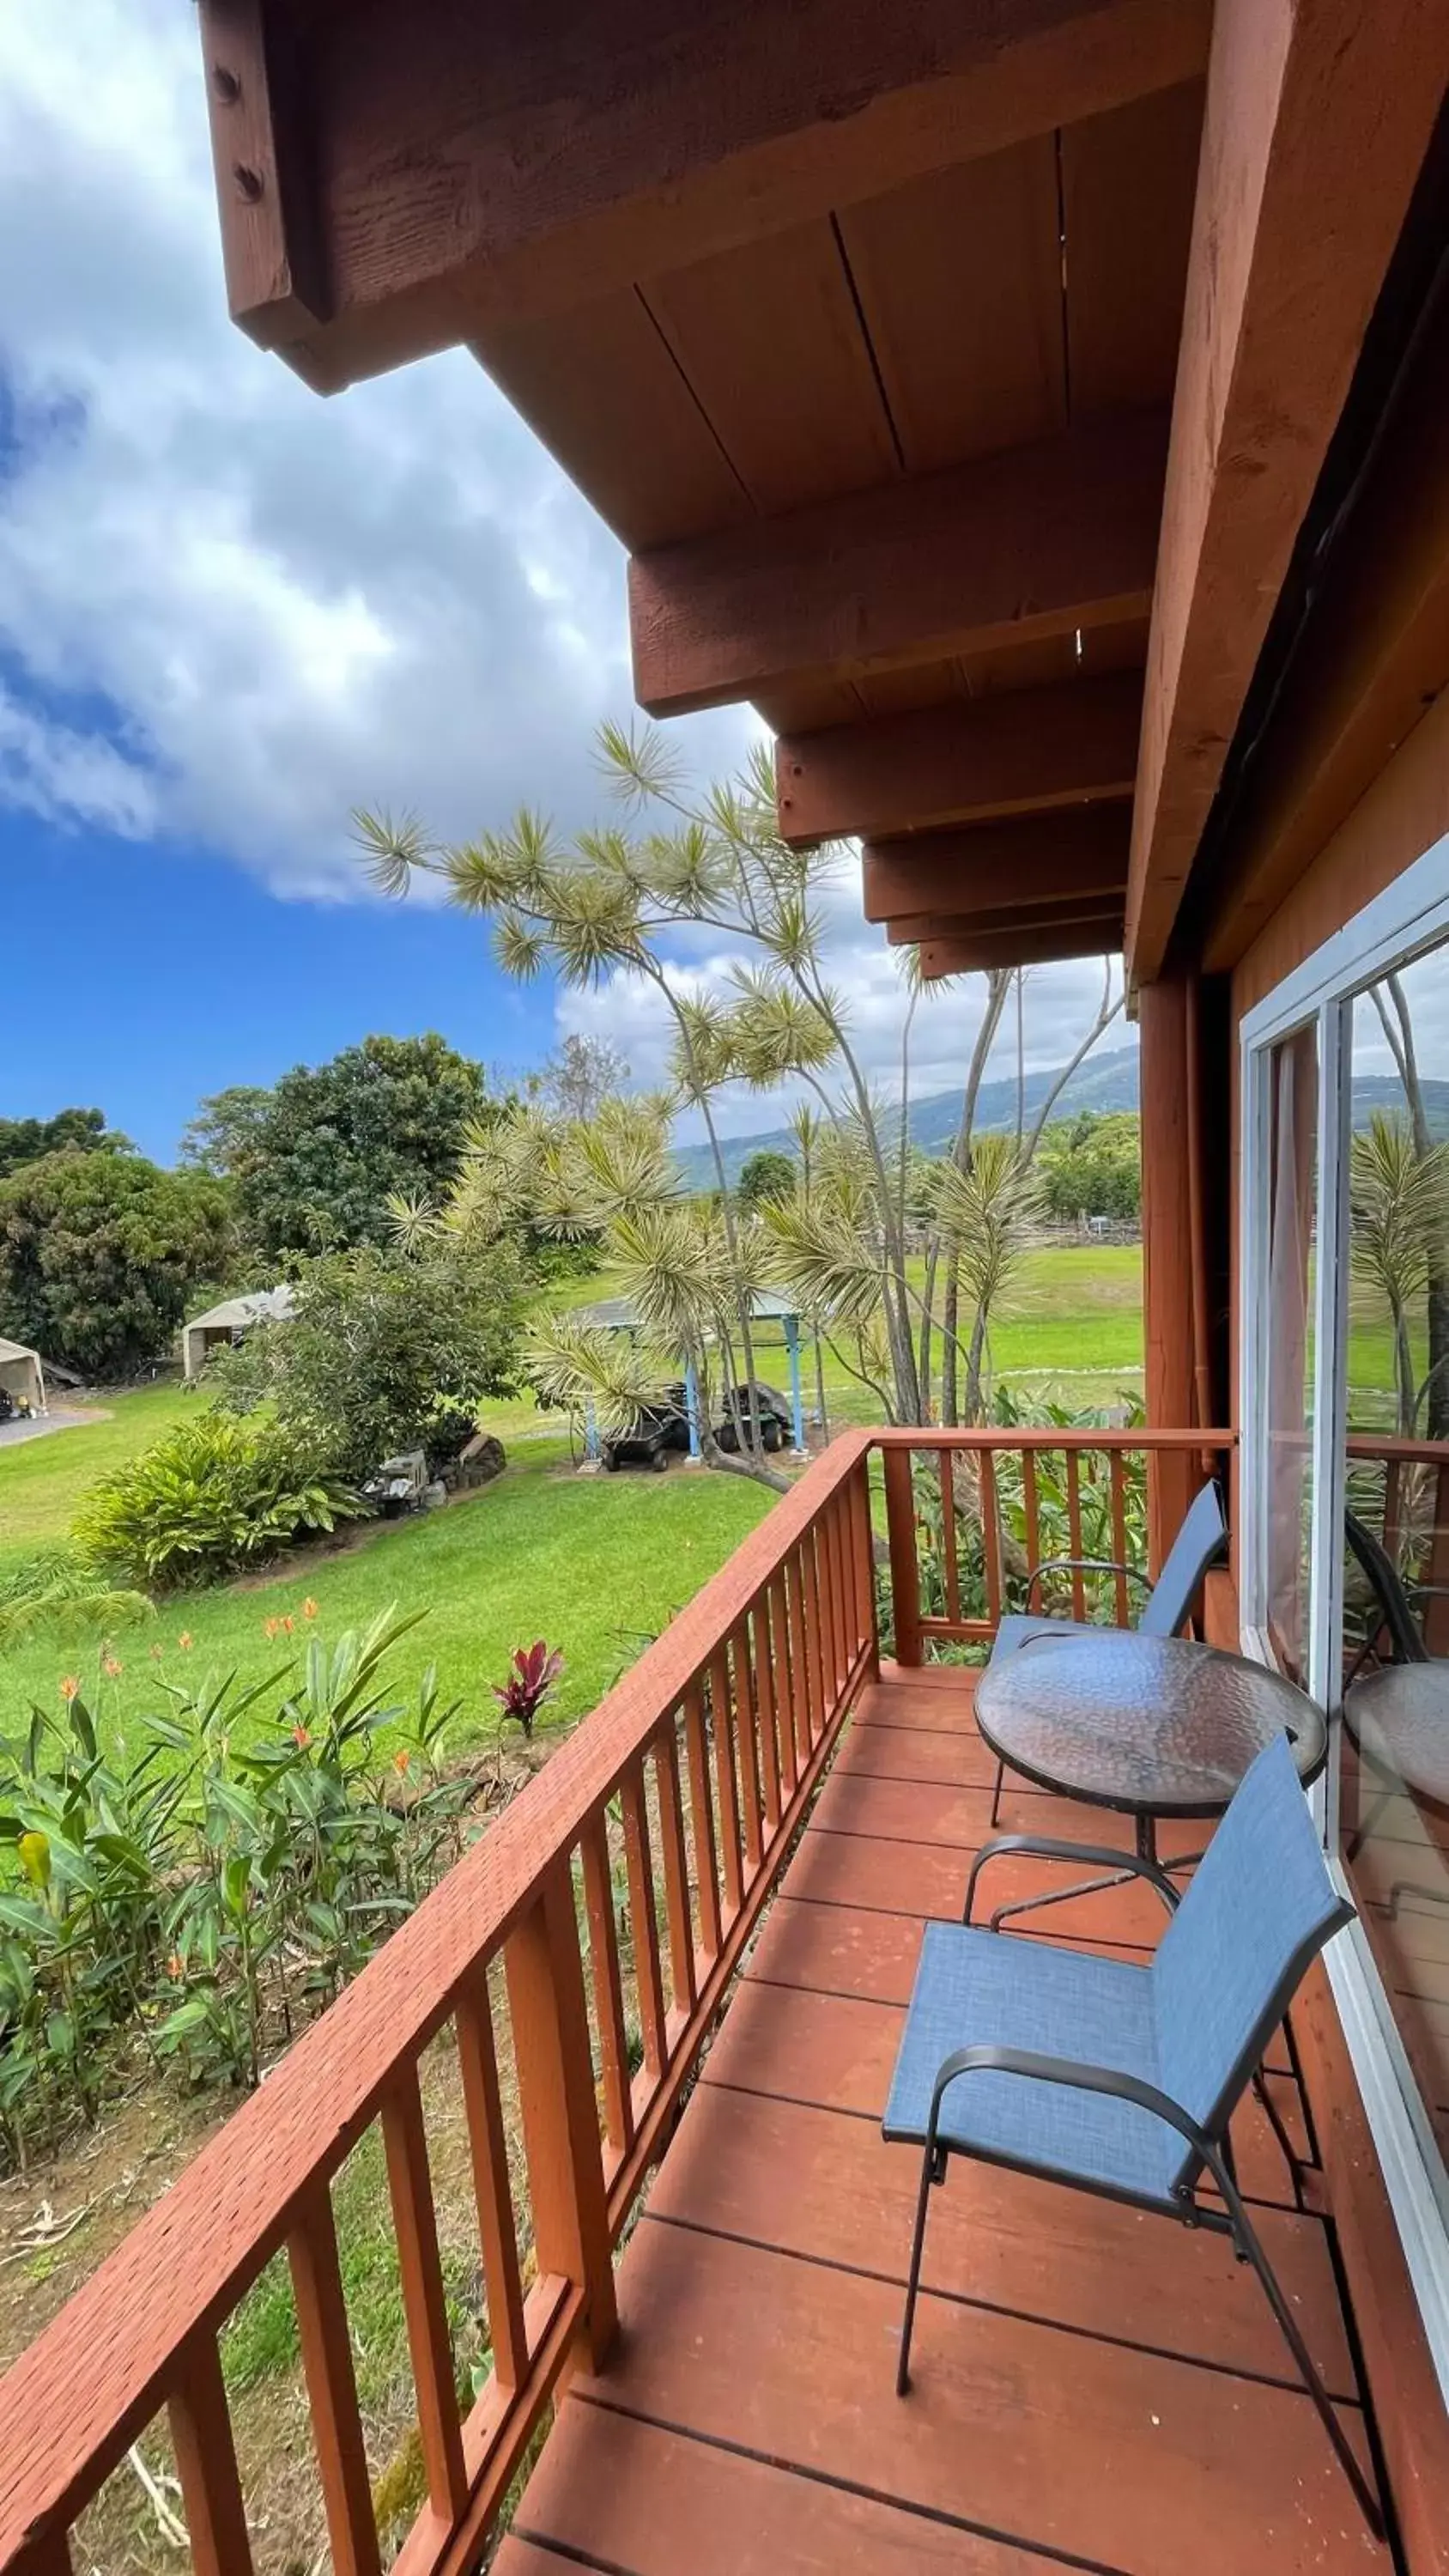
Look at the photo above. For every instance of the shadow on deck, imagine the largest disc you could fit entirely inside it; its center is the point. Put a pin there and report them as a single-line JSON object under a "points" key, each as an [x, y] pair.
{"points": [[1093, 2387]]}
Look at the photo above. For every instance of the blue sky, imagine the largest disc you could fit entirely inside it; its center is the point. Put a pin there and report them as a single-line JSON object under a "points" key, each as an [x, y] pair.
{"points": [[230, 611]]}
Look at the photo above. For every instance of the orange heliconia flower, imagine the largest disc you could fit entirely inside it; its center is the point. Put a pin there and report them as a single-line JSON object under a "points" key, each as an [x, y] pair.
{"points": [[301, 1736], [287, 1624], [400, 1761], [309, 1608], [270, 1627], [112, 1667], [69, 1687], [184, 1641], [175, 1965]]}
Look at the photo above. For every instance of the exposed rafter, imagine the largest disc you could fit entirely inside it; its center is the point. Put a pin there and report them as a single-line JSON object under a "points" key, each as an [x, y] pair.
{"points": [[462, 165], [1033, 542], [1317, 120], [1045, 859], [975, 953], [1013, 754], [1009, 923]]}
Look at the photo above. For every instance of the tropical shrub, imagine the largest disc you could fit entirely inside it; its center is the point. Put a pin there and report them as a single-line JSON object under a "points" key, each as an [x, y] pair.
{"points": [[531, 1678], [385, 1351], [198, 1892], [56, 1589], [212, 1496]]}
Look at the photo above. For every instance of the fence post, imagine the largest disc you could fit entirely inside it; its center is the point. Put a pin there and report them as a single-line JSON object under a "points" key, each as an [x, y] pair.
{"points": [[545, 1977], [901, 1536], [862, 1551]]}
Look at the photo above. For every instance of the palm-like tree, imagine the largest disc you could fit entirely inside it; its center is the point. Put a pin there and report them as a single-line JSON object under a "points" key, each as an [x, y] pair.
{"points": [[1399, 1196]]}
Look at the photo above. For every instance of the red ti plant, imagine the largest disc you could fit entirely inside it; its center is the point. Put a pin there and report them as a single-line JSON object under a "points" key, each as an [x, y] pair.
{"points": [[532, 1675]]}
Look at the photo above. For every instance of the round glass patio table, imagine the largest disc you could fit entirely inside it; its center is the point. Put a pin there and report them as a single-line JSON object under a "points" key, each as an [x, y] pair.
{"points": [[1148, 1726]]}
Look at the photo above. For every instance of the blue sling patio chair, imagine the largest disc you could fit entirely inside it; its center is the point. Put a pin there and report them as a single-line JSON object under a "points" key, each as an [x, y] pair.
{"points": [[1120, 2079], [1199, 1543]]}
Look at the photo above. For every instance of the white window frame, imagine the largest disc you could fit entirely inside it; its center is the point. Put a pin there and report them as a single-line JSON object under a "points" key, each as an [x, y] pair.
{"points": [[1410, 916]]}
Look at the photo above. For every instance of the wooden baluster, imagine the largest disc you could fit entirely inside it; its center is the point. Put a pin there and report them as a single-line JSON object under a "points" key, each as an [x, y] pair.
{"points": [[724, 1773], [676, 1872], [560, 2117], [748, 1738], [639, 1860], [990, 1536], [492, 2188], [810, 1577], [201, 2437], [1393, 1510], [1436, 1573], [701, 1818], [1031, 1508], [781, 1616], [424, 2305], [905, 1572], [1117, 1467], [1074, 1531], [950, 1567], [829, 1632], [765, 1697], [332, 2388], [862, 1558], [799, 1664], [844, 1587], [608, 1987]]}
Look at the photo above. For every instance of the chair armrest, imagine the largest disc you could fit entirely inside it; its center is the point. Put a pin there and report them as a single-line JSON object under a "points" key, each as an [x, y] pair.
{"points": [[1084, 1565], [1092, 1855], [1036, 2068]]}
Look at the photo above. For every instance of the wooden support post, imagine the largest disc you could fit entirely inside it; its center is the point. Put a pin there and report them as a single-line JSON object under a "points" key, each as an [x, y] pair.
{"points": [[901, 1536], [487, 2138], [206, 2464], [1167, 1266], [560, 2121], [332, 2389]]}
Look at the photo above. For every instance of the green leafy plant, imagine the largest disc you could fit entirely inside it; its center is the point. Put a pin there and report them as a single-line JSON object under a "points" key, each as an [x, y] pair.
{"points": [[212, 1496]]}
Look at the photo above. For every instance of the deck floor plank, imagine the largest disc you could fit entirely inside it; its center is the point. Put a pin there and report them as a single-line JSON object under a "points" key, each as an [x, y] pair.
{"points": [[1091, 2383]]}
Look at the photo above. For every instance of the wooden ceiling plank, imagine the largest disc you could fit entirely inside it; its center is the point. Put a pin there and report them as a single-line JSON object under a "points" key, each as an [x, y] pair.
{"points": [[795, 428], [1316, 124], [1128, 182], [996, 756], [969, 346], [1056, 858], [606, 397], [971, 956], [1030, 543], [466, 165]]}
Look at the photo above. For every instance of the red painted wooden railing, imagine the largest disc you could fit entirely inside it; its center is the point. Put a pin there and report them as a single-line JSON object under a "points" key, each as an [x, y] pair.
{"points": [[619, 1889]]}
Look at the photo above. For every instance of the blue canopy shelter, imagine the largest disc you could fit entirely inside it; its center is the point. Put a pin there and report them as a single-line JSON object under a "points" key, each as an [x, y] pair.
{"points": [[618, 1315]]}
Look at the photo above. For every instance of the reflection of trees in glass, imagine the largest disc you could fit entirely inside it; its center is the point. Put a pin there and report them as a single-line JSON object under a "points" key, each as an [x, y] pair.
{"points": [[1409, 1237]]}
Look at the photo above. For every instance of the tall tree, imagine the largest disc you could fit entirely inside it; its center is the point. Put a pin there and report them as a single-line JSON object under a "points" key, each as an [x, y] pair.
{"points": [[766, 1175], [100, 1256], [29, 1140], [316, 1159], [581, 1075]]}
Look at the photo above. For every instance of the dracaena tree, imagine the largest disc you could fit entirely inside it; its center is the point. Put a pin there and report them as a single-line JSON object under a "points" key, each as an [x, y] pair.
{"points": [[622, 901]]}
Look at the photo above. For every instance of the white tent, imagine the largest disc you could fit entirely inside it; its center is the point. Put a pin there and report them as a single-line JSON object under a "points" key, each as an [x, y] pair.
{"points": [[22, 1375], [230, 1322]]}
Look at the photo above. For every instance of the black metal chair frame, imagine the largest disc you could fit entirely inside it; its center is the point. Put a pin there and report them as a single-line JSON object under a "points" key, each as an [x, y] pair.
{"points": [[1209, 2144]]}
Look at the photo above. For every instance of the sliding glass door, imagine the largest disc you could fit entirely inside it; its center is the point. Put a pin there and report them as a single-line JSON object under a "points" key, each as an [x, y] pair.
{"points": [[1345, 1479]]}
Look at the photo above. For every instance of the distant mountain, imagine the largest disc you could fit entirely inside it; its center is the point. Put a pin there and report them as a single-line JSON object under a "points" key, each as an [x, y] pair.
{"points": [[1103, 1083]]}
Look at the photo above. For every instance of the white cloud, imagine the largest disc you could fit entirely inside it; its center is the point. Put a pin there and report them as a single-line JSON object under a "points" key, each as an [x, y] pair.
{"points": [[271, 606]]}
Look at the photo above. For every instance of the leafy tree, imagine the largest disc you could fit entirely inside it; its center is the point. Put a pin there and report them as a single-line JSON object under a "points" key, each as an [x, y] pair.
{"points": [[100, 1255], [1092, 1165], [1400, 1202], [29, 1140], [386, 1350], [766, 1175], [316, 1159], [581, 1076]]}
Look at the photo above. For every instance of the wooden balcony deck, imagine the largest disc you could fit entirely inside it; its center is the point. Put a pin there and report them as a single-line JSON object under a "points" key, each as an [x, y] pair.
{"points": [[1093, 2388]]}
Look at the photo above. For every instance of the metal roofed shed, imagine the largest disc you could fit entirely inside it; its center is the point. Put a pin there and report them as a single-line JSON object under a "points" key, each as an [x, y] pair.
{"points": [[22, 1379], [230, 1322], [619, 1315]]}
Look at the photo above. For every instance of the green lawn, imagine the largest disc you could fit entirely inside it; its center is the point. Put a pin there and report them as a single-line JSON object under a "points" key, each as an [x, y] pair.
{"points": [[594, 1564]]}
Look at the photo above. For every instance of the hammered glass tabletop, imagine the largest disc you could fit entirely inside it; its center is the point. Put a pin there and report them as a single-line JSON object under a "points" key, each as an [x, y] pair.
{"points": [[1400, 1720], [1150, 1725]]}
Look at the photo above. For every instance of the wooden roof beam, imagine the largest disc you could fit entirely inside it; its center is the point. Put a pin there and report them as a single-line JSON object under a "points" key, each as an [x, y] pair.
{"points": [[1052, 858], [986, 757], [1317, 119], [393, 178], [975, 953], [1033, 542], [1038, 920]]}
